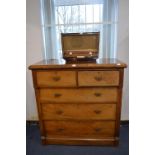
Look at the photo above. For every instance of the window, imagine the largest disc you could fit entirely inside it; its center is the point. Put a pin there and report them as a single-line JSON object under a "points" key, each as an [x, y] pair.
{"points": [[69, 16]]}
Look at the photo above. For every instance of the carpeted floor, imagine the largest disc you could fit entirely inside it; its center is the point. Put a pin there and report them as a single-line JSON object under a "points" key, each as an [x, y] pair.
{"points": [[34, 146]]}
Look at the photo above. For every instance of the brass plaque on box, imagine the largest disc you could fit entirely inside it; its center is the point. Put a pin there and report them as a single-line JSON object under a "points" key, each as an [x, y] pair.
{"points": [[80, 46]]}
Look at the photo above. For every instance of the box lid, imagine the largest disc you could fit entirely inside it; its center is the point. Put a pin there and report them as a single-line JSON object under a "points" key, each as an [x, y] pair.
{"points": [[80, 44]]}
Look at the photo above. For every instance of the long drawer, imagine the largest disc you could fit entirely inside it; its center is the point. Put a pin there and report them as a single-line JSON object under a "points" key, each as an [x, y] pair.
{"points": [[79, 128], [56, 78], [78, 111], [98, 78], [79, 95]]}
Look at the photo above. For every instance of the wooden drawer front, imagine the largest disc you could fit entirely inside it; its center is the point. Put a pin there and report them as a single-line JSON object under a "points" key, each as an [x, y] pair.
{"points": [[98, 78], [79, 95], [80, 128], [56, 78], [79, 111]]}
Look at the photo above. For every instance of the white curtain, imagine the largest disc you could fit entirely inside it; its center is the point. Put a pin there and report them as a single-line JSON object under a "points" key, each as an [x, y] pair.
{"points": [[49, 29], [109, 32], [76, 18]]}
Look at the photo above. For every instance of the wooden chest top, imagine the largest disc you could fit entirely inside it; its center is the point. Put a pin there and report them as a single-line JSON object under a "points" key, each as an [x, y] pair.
{"points": [[62, 64]]}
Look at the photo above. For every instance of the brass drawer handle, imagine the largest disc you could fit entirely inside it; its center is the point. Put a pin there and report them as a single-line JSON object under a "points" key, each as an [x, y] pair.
{"points": [[98, 129], [97, 94], [97, 111], [59, 112], [57, 95], [56, 78], [98, 78], [60, 129]]}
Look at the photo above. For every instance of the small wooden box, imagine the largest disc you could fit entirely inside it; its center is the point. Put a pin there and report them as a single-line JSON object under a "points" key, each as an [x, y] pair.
{"points": [[80, 46]]}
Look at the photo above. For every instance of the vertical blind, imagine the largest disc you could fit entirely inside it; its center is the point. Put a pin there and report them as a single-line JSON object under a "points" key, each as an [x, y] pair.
{"points": [[70, 16]]}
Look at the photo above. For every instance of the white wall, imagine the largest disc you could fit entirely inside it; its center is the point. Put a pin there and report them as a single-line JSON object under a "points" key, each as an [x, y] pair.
{"points": [[123, 52], [34, 52], [35, 47]]}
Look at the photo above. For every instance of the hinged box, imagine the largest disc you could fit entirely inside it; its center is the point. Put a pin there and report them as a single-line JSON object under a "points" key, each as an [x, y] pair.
{"points": [[80, 46]]}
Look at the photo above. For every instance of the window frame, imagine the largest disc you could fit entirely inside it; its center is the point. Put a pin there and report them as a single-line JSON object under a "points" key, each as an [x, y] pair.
{"points": [[107, 51]]}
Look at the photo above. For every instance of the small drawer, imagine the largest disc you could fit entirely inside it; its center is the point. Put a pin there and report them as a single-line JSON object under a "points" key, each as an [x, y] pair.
{"points": [[78, 111], [86, 95], [80, 128], [98, 78], [56, 78]]}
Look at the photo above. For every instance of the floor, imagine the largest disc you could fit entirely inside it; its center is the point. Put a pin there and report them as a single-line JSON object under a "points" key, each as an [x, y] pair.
{"points": [[34, 146]]}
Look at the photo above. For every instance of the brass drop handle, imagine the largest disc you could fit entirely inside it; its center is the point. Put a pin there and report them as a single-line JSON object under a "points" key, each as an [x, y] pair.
{"points": [[60, 129], [56, 78], [97, 111], [59, 112], [98, 129], [98, 78], [97, 94], [57, 95]]}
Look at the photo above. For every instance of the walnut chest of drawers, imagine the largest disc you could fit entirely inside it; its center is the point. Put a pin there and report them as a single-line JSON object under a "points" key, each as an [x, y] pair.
{"points": [[79, 104]]}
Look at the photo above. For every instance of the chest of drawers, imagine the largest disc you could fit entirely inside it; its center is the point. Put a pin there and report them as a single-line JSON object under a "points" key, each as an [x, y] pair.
{"points": [[79, 104]]}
